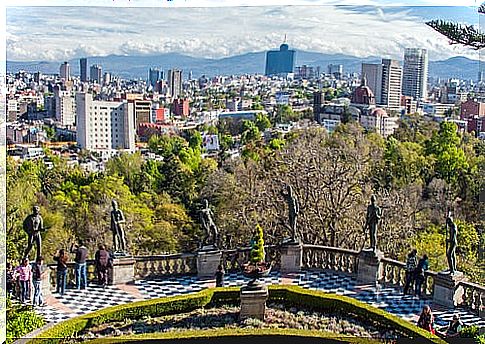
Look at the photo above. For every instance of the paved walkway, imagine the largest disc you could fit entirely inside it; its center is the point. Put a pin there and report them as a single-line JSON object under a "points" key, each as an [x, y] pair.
{"points": [[75, 303]]}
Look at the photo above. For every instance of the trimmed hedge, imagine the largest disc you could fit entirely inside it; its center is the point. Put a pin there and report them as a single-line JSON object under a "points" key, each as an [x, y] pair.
{"points": [[288, 295]]}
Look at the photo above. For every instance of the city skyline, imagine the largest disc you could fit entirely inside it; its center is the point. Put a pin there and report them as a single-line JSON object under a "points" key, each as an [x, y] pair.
{"points": [[348, 30]]}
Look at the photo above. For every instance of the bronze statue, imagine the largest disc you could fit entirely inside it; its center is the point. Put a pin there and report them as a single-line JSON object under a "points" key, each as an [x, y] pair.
{"points": [[374, 214], [451, 243], [33, 225], [117, 224], [293, 211], [210, 228]]}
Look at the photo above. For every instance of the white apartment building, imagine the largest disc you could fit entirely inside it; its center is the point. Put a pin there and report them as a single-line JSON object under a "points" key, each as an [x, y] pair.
{"points": [[105, 126], [65, 107], [379, 121], [385, 80]]}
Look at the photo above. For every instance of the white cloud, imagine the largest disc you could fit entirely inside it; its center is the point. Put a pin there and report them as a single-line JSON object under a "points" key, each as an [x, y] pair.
{"points": [[62, 33]]}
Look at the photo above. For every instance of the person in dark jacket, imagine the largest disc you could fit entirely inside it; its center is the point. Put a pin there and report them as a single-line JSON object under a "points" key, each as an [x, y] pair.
{"points": [[61, 258], [81, 253], [102, 260], [220, 276], [411, 264], [419, 276], [38, 271]]}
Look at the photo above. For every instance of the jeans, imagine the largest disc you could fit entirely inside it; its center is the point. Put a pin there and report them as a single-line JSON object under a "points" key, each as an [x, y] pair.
{"points": [[24, 290], [102, 275], [80, 270], [37, 294], [418, 283], [409, 281], [61, 282]]}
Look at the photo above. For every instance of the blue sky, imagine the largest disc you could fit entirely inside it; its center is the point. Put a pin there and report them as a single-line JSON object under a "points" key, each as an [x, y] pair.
{"points": [[59, 33]]}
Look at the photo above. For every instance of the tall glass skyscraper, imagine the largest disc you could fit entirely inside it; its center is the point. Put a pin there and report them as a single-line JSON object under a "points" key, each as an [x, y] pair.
{"points": [[280, 61], [83, 67], [415, 73]]}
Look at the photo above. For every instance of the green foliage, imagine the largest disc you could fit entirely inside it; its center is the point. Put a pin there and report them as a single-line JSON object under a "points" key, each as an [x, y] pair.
{"points": [[262, 122], [288, 295], [21, 320], [467, 35], [469, 332], [257, 250], [250, 132]]}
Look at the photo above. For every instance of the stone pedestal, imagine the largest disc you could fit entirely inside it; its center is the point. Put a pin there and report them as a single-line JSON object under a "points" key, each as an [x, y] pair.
{"points": [[45, 284], [253, 303], [207, 263], [291, 257], [370, 269], [123, 270], [447, 291]]}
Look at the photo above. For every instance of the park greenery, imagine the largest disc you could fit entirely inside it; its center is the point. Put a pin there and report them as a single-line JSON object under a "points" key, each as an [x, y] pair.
{"points": [[417, 174]]}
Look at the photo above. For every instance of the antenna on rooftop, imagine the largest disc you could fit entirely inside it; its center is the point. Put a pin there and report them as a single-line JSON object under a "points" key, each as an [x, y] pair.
{"points": [[285, 39]]}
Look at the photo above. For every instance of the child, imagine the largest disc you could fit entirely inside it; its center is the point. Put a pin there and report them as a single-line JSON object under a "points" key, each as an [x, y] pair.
{"points": [[220, 276], [24, 272], [37, 273]]}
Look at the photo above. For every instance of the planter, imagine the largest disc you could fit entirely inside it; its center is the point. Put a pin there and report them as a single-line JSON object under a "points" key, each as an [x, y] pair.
{"points": [[255, 272]]}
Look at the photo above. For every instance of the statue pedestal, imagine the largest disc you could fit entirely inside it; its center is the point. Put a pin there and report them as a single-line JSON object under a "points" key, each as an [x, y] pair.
{"points": [[45, 284], [253, 303], [123, 270], [291, 257], [207, 263], [447, 291], [370, 269]]}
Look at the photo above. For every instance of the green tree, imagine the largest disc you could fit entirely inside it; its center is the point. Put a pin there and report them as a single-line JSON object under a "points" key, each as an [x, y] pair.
{"points": [[262, 122], [250, 132]]}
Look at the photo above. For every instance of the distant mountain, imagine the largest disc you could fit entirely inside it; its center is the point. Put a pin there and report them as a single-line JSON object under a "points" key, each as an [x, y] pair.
{"points": [[137, 66]]}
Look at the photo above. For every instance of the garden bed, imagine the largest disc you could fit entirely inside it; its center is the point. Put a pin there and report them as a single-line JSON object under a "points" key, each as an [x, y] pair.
{"points": [[277, 316]]}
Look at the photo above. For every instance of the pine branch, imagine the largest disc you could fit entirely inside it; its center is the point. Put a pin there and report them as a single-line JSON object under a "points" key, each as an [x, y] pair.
{"points": [[466, 35]]}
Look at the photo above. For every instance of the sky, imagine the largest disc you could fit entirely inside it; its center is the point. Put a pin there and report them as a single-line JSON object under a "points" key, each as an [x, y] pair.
{"points": [[56, 33]]}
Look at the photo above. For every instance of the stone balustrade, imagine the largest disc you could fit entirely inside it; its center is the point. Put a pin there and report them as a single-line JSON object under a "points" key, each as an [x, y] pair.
{"points": [[394, 273], [331, 258], [473, 297], [71, 277], [147, 267]]}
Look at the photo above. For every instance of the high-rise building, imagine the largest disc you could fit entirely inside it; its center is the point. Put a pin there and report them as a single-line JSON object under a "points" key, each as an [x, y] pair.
{"points": [[391, 84], [415, 73], [64, 107], [83, 68], [181, 107], [337, 70], [280, 61], [143, 112], [385, 81], [174, 80], [37, 77], [103, 125], [65, 71], [107, 78], [154, 75], [96, 74]]}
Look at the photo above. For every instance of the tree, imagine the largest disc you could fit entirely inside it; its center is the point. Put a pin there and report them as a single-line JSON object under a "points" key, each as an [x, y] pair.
{"points": [[466, 35], [262, 122]]}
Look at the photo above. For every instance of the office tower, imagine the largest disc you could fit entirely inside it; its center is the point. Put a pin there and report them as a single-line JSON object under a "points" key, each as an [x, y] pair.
{"points": [[103, 125], [37, 77], [181, 107], [83, 67], [174, 80], [64, 107], [385, 80], [337, 70], [318, 102], [107, 78], [143, 112], [391, 87], [65, 71], [372, 72], [96, 74], [415, 73], [280, 61], [154, 75]]}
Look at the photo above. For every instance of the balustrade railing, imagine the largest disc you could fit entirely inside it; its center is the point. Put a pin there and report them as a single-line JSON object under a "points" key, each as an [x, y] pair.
{"points": [[331, 258], [394, 273], [71, 274], [233, 259], [473, 297], [147, 267]]}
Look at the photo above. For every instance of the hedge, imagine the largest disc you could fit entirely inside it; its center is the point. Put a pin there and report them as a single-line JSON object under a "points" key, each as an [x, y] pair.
{"points": [[288, 295]]}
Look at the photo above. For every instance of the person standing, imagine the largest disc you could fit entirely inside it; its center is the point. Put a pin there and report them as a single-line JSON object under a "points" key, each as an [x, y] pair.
{"points": [[220, 276], [81, 253], [426, 319], [10, 280], [61, 258], [419, 276], [24, 272], [102, 259], [38, 272], [411, 264]]}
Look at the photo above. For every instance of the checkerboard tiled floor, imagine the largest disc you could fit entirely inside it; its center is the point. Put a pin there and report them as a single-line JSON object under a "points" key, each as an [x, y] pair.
{"points": [[75, 303]]}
